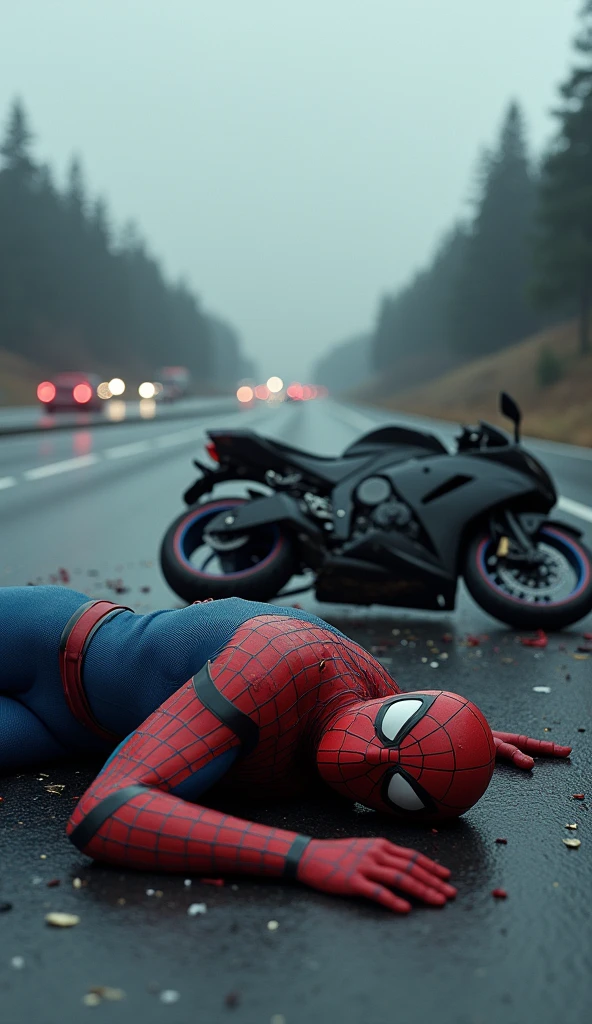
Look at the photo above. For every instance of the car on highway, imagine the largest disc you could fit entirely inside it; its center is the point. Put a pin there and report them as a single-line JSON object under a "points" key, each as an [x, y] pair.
{"points": [[70, 390], [175, 381]]}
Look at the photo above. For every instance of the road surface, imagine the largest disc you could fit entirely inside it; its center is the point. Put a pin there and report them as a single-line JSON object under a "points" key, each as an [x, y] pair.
{"points": [[95, 503]]}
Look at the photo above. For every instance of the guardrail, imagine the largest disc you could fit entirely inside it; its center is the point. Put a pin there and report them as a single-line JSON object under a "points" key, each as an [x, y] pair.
{"points": [[29, 420]]}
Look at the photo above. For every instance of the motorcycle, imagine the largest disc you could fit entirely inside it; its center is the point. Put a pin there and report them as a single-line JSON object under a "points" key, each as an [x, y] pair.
{"points": [[395, 520]]}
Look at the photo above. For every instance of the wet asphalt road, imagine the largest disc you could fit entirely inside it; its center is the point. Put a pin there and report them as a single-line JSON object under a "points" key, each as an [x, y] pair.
{"points": [[522, 960]]}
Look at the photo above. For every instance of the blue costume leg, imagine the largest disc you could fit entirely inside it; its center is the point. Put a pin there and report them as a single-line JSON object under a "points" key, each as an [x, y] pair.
{"points": [[24, 740]]}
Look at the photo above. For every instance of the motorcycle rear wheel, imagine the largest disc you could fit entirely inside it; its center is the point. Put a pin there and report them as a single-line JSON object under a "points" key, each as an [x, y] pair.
{"points": [[255, 567], [552, 597]]}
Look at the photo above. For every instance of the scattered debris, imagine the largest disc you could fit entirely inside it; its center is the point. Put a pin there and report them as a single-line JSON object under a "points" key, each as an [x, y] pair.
{"points": [[572, 843], [580, 657], [273, 926], [56, 787], [60, 920], [111, 995], [64, 575], [212, 881], [187, 883], [52, 884], [541, 689], [584, 649], [77, 883], [322, 665], [5, 907], [504, 841], [578, 796], [540, 640], [500, 894], [572, 826], [91, 999], [18, 962], [145, 590], [196, 908], [231, 999], [169, 995], [447, 638]]}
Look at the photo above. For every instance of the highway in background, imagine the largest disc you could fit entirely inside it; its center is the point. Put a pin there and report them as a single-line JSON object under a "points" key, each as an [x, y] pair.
{"points": [[94, 503]]}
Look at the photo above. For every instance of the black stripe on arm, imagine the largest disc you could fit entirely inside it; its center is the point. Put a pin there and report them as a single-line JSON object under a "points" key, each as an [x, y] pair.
{"points": [[239, 723], [294, 854], [90, 825]]}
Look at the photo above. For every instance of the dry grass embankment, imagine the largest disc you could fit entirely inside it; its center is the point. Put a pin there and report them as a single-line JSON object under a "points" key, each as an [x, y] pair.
{"points": [[559, 412]]}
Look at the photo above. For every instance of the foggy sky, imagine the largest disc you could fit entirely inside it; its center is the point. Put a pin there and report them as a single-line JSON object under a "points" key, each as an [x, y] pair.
{"points": [[293, 159]]}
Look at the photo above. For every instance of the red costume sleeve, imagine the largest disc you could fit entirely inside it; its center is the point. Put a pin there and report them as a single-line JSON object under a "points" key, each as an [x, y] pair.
{"points": [[129, 816]]}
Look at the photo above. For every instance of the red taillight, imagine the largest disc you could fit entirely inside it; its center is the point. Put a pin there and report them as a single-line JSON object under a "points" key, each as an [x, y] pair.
{"points": [[212, 451], [46, 391], [82, 393]]}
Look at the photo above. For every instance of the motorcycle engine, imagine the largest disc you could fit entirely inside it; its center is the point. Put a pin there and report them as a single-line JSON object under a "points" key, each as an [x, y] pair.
{"points": [[379, 507]]}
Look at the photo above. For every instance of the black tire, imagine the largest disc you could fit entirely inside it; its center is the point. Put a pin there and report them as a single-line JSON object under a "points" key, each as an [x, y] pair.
{"points": [[255, 582], [487, 579]]}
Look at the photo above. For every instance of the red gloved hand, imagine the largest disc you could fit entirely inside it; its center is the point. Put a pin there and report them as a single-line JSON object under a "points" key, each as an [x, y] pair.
{"points": [[371, 868], [511, 747]]}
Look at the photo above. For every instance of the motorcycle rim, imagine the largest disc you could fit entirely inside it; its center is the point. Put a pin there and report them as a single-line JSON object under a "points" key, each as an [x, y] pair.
{"points": [[566, 575], [238, 561]]}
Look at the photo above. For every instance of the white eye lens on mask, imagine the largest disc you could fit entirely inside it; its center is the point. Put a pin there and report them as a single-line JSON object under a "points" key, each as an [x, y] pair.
{"points": [[396, 717], [402, 795]]}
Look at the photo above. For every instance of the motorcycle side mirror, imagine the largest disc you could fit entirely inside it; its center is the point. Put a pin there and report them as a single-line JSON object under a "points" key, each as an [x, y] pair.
{"points": [[509, 408]]}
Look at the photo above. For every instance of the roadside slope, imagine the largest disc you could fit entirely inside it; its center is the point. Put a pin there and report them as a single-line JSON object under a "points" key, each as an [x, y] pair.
{"points": [[560, 412]]}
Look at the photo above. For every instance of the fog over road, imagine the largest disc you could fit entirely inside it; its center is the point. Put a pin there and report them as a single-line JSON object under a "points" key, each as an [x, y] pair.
{"points": [[96, 503]]}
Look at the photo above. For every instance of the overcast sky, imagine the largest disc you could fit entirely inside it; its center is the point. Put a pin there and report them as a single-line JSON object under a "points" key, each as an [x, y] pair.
{"points": [[293, 159]]}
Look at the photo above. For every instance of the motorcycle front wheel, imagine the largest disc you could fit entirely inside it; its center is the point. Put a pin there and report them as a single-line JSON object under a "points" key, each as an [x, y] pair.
{"points": [[255, 566], [549, 596]]}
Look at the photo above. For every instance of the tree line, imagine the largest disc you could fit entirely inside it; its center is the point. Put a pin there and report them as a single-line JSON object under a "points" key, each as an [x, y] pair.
{"points": [[521, 261], [77, 293]]}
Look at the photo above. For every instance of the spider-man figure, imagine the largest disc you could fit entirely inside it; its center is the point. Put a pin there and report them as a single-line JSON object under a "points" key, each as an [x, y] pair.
{"points": [[263, 698]]}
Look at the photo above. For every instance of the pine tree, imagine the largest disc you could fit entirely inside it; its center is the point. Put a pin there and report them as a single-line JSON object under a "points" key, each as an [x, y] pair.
{"points": [[563, 251], [490, 306], [414, 320], [17, 141]]}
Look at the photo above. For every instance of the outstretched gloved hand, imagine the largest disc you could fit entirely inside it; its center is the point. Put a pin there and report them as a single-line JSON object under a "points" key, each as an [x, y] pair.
{"points": [[373, 868]]}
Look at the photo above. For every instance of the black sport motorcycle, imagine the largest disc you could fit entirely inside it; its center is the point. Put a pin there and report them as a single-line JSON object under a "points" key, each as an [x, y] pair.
{"points": [[395, 520]]}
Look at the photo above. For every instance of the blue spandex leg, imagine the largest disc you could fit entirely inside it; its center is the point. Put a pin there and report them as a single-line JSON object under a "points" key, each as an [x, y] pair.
{"points": [[24, 740]]}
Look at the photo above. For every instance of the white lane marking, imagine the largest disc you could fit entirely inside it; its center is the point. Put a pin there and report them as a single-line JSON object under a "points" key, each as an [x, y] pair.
{"points": [[575, 508], [7, 481], [181, 437], [121, 451], [60, 467]]}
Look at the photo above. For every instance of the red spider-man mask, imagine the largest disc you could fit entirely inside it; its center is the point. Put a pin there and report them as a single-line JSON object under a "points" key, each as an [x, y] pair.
{"points": [[418, 755]]}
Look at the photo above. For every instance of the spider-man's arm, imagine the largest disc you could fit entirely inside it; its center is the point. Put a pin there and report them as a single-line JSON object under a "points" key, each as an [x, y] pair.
{"points": [[130, 816]]}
